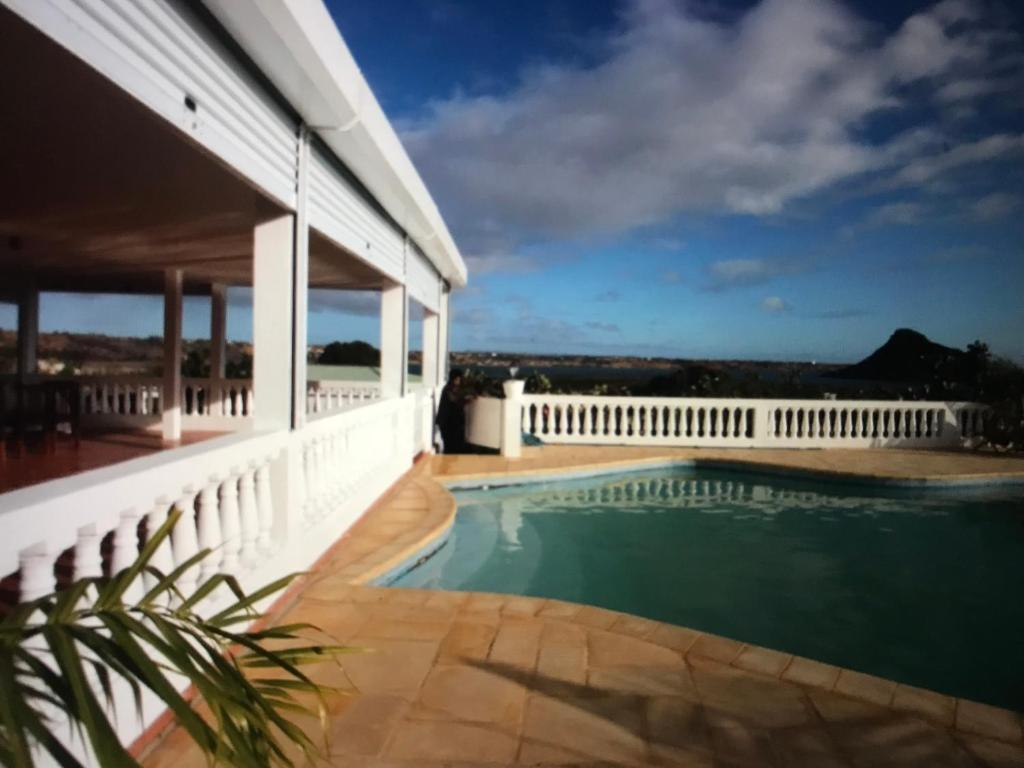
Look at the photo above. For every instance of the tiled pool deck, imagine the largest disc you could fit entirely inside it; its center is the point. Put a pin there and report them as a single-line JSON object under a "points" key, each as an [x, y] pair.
{"points": [[469, 679]]}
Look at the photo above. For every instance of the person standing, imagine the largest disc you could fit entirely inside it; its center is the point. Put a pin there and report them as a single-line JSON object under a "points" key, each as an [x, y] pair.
{"points": [[451, 414]]}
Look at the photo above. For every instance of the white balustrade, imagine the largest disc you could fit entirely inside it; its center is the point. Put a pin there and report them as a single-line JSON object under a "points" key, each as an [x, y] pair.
{"points": [[600, 420], [332, 396]]}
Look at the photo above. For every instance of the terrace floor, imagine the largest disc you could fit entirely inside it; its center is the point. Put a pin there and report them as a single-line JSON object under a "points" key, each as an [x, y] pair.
{"points": [[21, 466], [470, 679]]}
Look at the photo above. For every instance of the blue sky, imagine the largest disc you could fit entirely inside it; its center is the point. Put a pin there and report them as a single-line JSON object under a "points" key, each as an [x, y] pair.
{"points": [[784, 179]]}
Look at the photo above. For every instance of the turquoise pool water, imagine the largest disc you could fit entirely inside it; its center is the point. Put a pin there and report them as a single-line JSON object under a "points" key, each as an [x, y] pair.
{"points": [[920, 586]]}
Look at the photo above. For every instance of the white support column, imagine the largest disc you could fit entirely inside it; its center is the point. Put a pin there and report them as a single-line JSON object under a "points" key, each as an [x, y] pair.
{"points": [[273, 246], [218, 329], [394, 341], [28, 332], [444, 336], [300, 286], [170, 403], [431, 351]]}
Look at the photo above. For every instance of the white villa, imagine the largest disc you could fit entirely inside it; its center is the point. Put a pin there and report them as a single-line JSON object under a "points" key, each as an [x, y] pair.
{"points": [[181, 147]]}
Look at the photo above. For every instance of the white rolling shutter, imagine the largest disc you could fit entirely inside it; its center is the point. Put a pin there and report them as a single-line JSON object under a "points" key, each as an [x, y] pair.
{"points": [[338, 210], [422, 280]]}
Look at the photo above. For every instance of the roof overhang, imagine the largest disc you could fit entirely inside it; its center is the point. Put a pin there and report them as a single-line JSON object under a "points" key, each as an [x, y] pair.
{"points": [[297, 46]]}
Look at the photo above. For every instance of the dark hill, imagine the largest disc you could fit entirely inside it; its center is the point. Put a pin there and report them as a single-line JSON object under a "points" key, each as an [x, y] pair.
{"points": [[908, 356]]}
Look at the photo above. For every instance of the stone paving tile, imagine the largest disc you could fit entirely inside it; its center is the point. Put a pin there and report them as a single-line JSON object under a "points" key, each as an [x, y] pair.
{"points": [[363, 728], [473, 694], [934, 706], [596, 617], [598, 727], [877, 690], [718, 648], [988, 721], [763, 660], [816, 674], [424, 740], [463, 679], [611, 650], [467, 640], [517, 644], [993, 753]]}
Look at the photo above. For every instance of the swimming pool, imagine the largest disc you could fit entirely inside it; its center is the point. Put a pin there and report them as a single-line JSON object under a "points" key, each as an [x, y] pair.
{"points": [[919, 586]]}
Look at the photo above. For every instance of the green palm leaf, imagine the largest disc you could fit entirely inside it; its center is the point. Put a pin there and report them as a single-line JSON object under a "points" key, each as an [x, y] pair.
{"points": [[62, 655]]}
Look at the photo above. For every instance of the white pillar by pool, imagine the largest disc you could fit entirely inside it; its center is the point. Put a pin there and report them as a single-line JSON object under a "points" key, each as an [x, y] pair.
{"points": [[171, 398], [218, 329], [272, 270], [431, 351], [394, 341]]}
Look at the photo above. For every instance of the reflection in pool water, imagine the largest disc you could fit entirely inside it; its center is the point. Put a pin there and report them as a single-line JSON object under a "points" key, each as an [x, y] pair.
{"points": [[918, 586]]}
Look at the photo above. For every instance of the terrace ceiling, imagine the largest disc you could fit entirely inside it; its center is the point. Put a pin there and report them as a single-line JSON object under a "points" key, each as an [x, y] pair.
{"points": [[98, 194]]}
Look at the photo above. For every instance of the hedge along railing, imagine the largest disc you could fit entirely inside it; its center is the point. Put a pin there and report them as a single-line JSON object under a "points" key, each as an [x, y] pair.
{"points": [[598, 420]]}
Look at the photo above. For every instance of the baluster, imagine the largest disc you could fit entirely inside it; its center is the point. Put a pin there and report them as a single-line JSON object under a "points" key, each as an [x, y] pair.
{"points": [[264, 508], [309, 463], [230, 522], [184, 540], [162, 559], [126, 551], [88, 559], [209, 533], [37, 575], [248, 516]]}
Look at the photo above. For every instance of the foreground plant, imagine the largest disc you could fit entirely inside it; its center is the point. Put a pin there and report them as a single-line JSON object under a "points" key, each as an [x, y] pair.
{"points": [[61, 656]]}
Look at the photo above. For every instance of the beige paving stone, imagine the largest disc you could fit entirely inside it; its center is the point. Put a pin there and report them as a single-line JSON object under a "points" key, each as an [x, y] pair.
{"points": [[521, 606], [467, 640], [608, 728], [392, 666], [888, 740], [934, 706], [393, 629], [555, 609], [762, 660], [470, 694], [838, 708], [558, 633], [986, 720], [364, 727], [599, 618], [647, 680], [448, 602], [611, 650], [677, 638], [714, 647], [808, 746], [517, 644], [634, 626], [993, 753], [423, 740], [483, 603], [877, 690], [677, 731], [756, 700], [738, 744], [812, 673], [340, 621], [561, 663]]}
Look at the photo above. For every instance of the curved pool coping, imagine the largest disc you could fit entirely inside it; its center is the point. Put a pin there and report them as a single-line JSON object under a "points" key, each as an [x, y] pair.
{"points": [[532, 476], [863, 686]]}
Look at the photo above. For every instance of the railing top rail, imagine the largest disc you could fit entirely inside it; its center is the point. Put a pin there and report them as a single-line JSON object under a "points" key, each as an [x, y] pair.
{"points": [[80, 499], [737, 402]]}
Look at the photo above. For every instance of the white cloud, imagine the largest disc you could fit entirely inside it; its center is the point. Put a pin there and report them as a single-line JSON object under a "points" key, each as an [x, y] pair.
{"points": [[686, 114], [897, 213], [995, 206], [732, 273], [774, 305]]}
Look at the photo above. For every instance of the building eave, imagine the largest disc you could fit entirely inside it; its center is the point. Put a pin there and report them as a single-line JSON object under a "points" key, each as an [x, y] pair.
{"points": [[297, 46]]}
